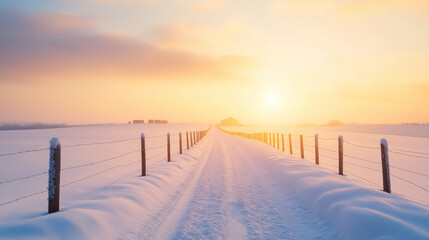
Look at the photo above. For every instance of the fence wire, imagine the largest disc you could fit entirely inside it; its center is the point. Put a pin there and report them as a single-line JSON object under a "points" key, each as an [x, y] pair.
{"points": [[361, 146], [24, 197], [22, 152], [408, 155], [412, 183], [361, 159], [88, 164], [99, 143], [101, 161], [360, 177], [406, 170], [96, 174], [22, 178]]}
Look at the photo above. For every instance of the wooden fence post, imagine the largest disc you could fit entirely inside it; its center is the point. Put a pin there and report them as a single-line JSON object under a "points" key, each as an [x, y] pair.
{"points": [[195, 141], [192, 142], [278, 145], [283, 142], [54, 175], [340, 155], [274, 140], [290, 143], [168, 147], [302, 146], [270, 139], [187, 140], [180, 142], [143, 154], [385, 165], [316, 146]]}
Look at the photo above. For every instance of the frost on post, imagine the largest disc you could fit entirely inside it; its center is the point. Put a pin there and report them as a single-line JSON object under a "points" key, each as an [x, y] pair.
{"points": [[54, 175]]}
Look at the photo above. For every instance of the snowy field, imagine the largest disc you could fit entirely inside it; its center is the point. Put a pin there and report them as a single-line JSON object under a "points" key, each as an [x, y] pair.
{"points": [[119, 158], [225, 187], [408, 145]]}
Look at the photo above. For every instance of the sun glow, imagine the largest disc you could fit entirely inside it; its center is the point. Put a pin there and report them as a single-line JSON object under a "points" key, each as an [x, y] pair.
{"points": [[271, 100]]}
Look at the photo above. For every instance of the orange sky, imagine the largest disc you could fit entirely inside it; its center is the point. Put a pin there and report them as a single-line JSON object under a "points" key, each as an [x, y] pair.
{"points": [[263, 62]]}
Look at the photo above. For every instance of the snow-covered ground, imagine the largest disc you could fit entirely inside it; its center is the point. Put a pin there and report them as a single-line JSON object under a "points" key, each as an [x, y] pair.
{"points": [[226, 187], [408, 145]]}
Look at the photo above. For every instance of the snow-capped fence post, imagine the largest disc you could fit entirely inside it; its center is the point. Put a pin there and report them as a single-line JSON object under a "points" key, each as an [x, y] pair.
{"points": [[290, 143], [187, 140], [340, 155], [385, 165], [180, 142], [283, 142], [143, 154], [316, 150], [168, 148], [301, 141], [54, 175], [278, 145]]}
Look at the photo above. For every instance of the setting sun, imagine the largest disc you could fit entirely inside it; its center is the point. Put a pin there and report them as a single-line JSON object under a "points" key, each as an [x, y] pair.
{"points": [[271, 100]]}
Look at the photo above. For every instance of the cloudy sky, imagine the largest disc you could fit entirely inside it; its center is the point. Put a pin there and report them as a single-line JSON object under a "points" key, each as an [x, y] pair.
{"points": [[263, 62]]}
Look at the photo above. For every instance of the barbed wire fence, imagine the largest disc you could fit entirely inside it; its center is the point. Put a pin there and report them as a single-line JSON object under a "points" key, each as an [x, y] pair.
{"points": [[333, 158], [153, 154]]}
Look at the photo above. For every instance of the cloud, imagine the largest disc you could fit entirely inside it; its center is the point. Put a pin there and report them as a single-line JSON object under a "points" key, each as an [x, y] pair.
{"points": [[62, 46], [349, 8]]}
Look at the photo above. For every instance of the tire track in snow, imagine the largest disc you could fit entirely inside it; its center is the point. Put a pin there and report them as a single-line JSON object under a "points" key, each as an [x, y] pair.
{"points": [[304, 224], [207, 216], [258, 214], [228, 203]]}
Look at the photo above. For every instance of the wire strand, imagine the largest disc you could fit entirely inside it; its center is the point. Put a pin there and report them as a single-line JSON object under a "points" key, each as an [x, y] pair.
{"points": [[357, 165], [327, 139], [367, 147], [405, 180], [24, 197], [99, 143], [375, 184], [22, 178], [406, 170], [361, 159], [96, 174], [157, 155], [25, 151], [101, 161], [408, 155], [161, 146]]}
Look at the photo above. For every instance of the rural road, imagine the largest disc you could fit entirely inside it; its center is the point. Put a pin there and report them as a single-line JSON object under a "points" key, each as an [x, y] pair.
{"points": [[233, 196]]}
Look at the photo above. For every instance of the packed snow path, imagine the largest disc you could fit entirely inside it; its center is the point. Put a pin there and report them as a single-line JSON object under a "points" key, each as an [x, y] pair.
{"points": [[233, 196]]}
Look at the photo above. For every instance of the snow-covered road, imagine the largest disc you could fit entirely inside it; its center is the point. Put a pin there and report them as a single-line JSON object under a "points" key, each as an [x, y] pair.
{"points": [[233, 196]]}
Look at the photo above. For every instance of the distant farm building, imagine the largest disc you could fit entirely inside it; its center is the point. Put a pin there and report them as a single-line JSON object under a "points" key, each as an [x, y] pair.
{"points": [[138, 121], [158, 121], [230, 122]]}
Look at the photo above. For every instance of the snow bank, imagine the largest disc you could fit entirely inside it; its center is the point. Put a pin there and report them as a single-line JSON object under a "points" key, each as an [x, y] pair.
{"points": [[93, 210], [354, 209]]}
